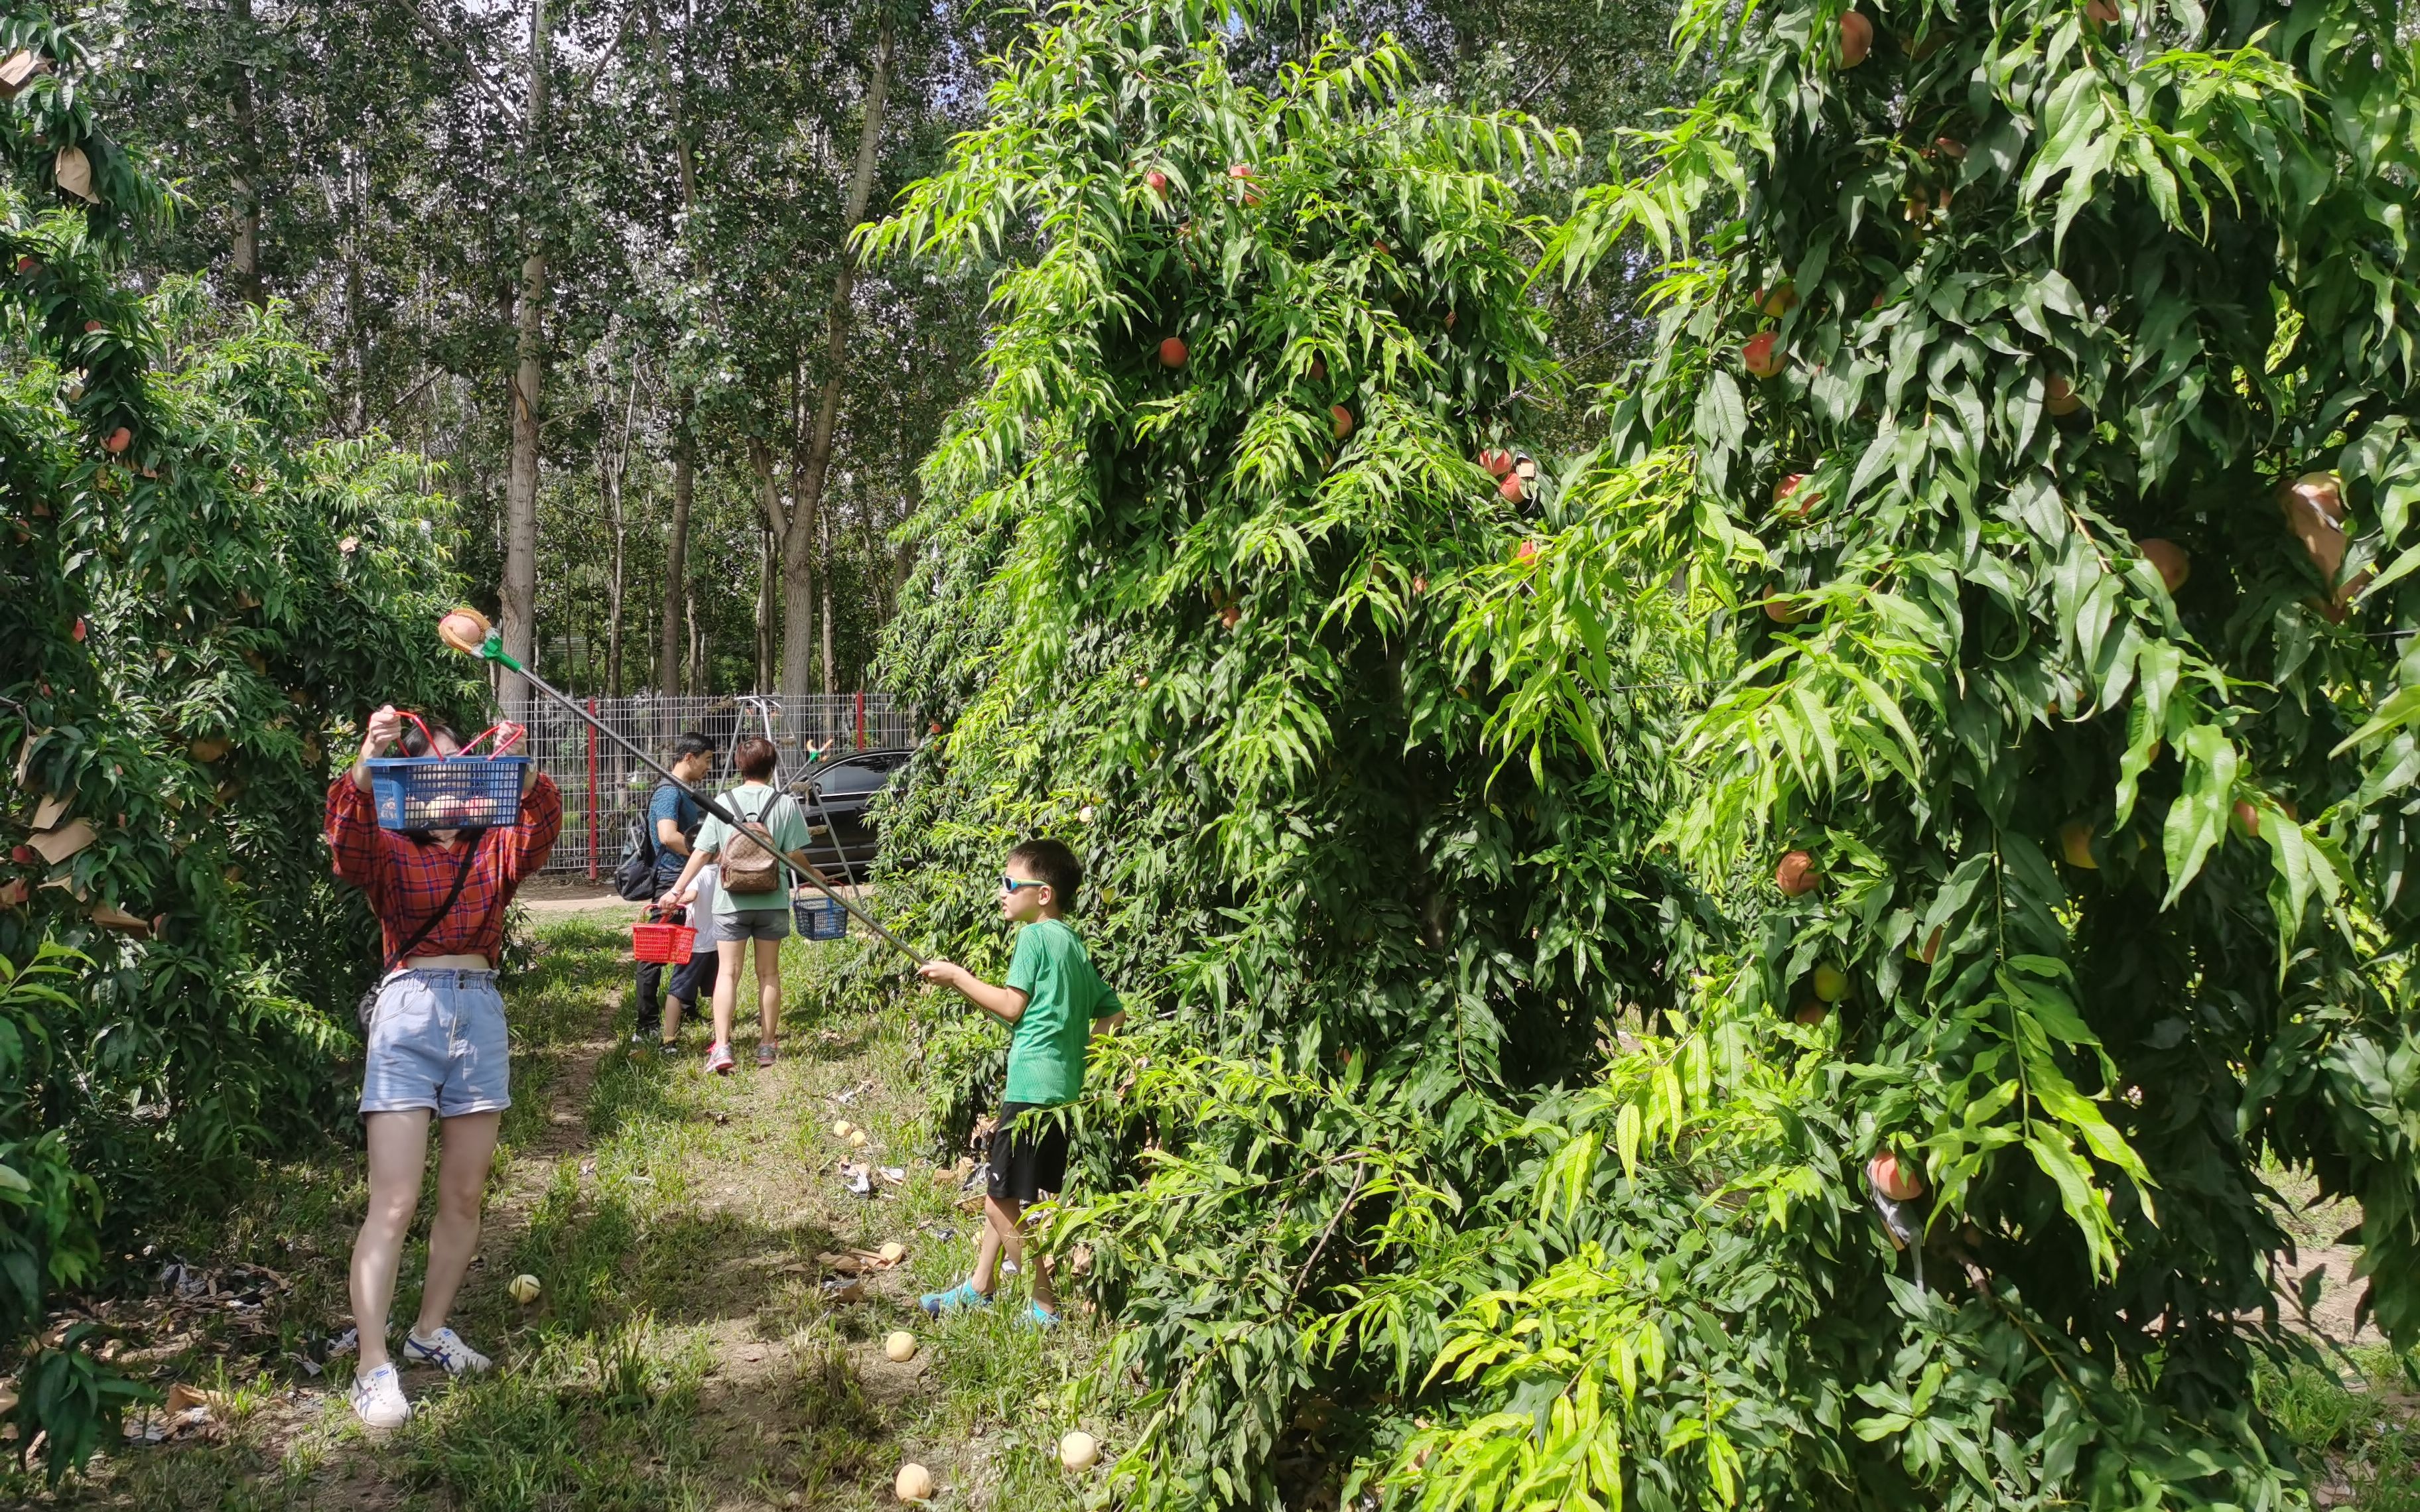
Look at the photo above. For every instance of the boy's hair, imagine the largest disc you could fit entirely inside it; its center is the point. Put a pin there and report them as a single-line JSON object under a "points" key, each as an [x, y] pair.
{"points": [[692, 744], [755, 757], [1053, 863]]}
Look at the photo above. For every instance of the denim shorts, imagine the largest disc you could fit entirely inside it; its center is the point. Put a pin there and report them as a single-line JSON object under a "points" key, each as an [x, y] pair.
{"points": [[438, 1042], [754, 924]]}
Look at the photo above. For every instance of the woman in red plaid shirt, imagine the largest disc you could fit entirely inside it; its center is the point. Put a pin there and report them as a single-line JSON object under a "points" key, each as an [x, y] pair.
{"points": [[437, 1045]]}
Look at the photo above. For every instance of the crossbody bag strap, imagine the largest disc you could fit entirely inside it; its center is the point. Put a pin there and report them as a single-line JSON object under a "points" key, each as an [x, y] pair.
{"points": [[461, 874]]}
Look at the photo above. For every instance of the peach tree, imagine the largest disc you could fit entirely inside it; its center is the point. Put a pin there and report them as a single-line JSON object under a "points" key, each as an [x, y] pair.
{"points": [[2047, 374], [1231, 581], [197, 600]]}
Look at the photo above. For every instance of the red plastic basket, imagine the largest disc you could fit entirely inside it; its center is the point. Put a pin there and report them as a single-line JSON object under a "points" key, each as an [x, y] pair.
{"points": [[664, 944]]}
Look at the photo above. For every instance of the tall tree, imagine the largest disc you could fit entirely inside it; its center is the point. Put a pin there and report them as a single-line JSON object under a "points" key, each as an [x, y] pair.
{"points": [[797, 523], [519, 595], [244, 257], [669, 645]]}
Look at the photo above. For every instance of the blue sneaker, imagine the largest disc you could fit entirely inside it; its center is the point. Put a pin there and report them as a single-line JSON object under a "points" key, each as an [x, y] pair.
{"points": [[962, 1295], [1037, 1316]]}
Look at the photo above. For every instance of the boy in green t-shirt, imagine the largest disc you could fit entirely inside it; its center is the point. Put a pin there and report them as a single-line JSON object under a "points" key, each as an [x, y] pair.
{"points": [[1053, 1003]]}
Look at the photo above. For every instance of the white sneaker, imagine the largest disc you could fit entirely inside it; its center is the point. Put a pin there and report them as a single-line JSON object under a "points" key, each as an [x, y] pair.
{"points": [[378, 1399], [446, 1350]]}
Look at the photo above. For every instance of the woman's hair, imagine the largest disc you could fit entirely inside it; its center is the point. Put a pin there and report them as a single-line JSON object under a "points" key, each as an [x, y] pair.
{"points": [[416, 744], [755, 757]]}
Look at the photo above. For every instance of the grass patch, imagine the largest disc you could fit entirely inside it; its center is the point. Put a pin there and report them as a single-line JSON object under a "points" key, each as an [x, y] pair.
{"points": [[2356, 1433]]}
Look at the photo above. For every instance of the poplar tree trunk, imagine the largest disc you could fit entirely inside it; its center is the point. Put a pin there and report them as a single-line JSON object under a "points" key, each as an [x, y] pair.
{"points": [[613, 599], [764, 609], [244, 257], [825, 541], [801, 530], [519, 595], [668, 649], [697, 681], [612, 477]]}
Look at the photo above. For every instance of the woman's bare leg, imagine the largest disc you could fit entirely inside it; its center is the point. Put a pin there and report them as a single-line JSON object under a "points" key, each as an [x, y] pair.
{"points": [[729, 954], [768, 992], [398, 1153], [467, 1147]]}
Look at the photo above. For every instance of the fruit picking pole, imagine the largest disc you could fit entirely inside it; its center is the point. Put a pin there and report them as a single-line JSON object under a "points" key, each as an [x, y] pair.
{"points": [[493, 649]]}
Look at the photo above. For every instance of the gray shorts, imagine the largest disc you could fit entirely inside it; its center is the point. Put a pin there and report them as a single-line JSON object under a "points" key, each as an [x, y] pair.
{"points": [[754, 924], [438, 1042]]}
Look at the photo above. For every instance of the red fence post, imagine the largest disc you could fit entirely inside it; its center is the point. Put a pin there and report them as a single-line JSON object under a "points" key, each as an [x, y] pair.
{"points": [[861, 720], [592, 792]]}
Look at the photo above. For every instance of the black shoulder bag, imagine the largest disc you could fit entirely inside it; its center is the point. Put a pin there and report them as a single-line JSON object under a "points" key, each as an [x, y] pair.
{"points": [[366, 1009]]}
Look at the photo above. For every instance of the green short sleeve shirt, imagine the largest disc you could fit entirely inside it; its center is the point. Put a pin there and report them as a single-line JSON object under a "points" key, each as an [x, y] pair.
{"points": [[1063, 995], [779, 814]]}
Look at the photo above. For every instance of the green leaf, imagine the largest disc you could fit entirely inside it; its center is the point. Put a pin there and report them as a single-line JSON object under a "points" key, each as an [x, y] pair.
{"points": [[2197, 820]]}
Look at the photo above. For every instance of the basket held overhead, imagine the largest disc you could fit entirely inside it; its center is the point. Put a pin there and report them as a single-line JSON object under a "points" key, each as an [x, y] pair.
{"points": [[464, 790]]}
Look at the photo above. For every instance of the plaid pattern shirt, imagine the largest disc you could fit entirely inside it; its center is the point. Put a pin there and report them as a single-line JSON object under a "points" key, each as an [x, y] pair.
{"points": [[406, 881]]}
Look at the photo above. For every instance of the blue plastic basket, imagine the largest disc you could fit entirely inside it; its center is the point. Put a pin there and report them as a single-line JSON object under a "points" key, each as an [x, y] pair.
{"points": [[819, 919], [436, 793]]}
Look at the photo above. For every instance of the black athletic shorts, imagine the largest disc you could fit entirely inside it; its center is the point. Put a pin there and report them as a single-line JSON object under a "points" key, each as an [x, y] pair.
{"points": [[694, 980], [1029, 1156]]}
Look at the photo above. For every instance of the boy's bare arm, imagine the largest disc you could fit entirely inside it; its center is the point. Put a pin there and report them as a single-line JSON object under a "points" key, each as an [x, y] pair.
{"points": [[1005, 1004], [1101, 1026]]}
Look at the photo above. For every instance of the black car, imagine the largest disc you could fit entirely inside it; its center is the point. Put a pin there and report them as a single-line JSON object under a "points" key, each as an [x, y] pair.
{"points": [[835, 797]]}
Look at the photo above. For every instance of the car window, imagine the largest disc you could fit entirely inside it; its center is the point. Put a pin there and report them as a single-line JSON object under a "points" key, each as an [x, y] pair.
{"points": [[849, 778]]}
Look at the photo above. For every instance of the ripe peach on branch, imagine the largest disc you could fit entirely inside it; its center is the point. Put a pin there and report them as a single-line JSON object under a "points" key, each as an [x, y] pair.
{"points": [[1895, 1176], [2171, 561], [1857, 40], [1795, 874]]}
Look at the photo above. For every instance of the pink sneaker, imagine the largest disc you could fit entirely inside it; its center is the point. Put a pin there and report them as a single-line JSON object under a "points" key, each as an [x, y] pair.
{"points": [[718, 1059]]}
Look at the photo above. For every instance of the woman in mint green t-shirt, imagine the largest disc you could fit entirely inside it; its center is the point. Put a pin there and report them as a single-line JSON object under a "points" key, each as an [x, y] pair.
{"points": [[761, 916]]}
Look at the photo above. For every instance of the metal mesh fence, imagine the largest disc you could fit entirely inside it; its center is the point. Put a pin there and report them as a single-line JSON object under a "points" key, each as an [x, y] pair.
{"points": [[604, 788]]}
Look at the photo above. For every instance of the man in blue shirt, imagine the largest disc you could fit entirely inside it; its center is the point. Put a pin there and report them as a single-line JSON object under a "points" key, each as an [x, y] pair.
{"points": [[674, 818]]}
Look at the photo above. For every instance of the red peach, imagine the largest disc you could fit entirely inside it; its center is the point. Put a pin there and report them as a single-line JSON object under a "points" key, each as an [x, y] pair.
{"points": [[1899, 1179], [1796, 875], [1857, 40], [2175, 564]]}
